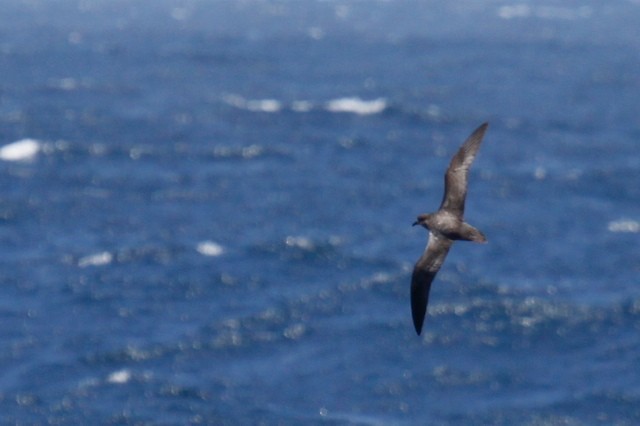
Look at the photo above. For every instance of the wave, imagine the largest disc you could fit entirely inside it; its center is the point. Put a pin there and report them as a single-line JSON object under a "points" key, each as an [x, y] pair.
{"points": [[344, 105], [301, 247], [357, 106], [97, 259], [28, 150], [255, 105], [624, 225], [119, 377], [22, 150], [494, 321], [209, 248], [544, 12]]}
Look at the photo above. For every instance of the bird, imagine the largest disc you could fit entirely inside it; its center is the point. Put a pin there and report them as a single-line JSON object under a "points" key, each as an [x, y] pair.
{"points": [[445, 226]]}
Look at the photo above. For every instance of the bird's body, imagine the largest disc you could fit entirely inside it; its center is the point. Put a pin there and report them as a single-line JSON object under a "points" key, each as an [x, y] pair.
{"points": [[445, 226]]}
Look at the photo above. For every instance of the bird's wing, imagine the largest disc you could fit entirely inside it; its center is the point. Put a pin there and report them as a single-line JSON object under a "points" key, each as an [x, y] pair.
{"points": [[424, 272], [455, 179]]}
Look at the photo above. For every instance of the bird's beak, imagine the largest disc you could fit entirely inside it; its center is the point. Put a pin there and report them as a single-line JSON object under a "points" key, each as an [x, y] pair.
{"points": [[415, 223]]}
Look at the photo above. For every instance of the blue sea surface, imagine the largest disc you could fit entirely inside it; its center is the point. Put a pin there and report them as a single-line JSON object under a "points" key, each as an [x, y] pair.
{"points": [[206, 208]]}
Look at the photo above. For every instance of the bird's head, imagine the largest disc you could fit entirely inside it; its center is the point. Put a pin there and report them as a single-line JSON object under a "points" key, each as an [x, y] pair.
{"points": [[423, 220]]}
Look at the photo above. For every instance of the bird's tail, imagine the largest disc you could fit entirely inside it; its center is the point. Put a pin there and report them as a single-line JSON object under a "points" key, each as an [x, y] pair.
{"points": [[470, 233]]}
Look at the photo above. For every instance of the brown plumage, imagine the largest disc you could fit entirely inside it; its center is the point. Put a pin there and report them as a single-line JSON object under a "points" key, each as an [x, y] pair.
{"points": [[445, 226]]}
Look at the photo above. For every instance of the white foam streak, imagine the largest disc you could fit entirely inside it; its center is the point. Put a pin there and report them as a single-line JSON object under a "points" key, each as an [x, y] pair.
{"points": [[264, 105], [256, 105], [119, 377], [303, 243], [97, 259], [352, 105], [544, 12], [356, 105], [514, 11], [22, 150], [302, 106], [209, 248], [624, 225]]}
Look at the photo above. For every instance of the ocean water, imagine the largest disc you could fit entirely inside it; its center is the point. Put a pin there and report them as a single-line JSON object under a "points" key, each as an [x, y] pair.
{"points": [[206, 211]]}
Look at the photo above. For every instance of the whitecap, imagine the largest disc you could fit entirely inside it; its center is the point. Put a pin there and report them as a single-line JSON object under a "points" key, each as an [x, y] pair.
{"points": [[540, 173], [235, 101], [563, 13], [434, 111], [22, 150], [514, 11], [264, 105], [119, 377], [302, 106], [66, 84], [252, 151], [624, 225], [255, 105], [97, 259], [180, 13], [356, 105], [209, 248], [544, 12], [294, 331], [299, 242]]}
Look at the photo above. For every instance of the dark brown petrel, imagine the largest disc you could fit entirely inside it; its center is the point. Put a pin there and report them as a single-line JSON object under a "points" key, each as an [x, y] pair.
{"points": [[445, 226]]}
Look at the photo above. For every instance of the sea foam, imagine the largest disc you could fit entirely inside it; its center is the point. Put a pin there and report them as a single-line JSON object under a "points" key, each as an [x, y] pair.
{"points": [[254, 105], [356, 105], [209, 248], [22, 150], [96, 259], [624, 225], [352, 105]]}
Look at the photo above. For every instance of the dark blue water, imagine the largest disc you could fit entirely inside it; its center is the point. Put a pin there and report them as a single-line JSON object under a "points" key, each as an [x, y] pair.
{"points": [[205, 212]]}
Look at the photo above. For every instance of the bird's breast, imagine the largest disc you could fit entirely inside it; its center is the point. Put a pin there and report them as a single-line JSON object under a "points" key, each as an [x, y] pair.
{"points": [[445, 222]]}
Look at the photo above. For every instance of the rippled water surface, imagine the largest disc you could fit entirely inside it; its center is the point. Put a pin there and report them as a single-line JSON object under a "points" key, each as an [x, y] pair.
{"points": [[206, 212]]}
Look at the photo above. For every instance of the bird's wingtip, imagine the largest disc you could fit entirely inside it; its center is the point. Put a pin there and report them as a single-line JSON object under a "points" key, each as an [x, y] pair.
{"points": [[418, 329], [418, 320]]}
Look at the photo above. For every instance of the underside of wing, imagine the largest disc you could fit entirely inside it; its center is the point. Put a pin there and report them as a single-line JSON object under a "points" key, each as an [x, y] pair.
{"points": [[424, 272], [455, 179], [420, 287]]}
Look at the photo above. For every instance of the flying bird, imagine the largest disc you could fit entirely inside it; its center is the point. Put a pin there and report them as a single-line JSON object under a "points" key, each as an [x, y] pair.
{"points": [[445, 226]]}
